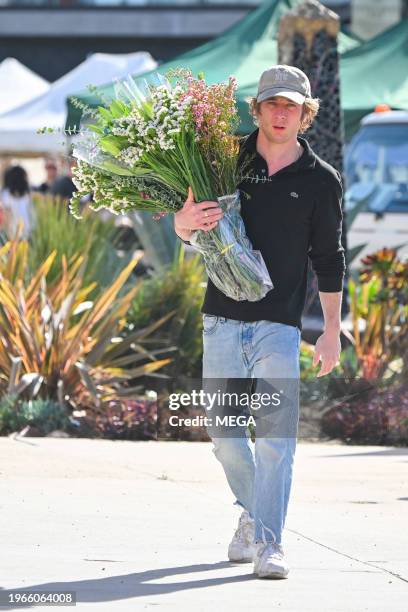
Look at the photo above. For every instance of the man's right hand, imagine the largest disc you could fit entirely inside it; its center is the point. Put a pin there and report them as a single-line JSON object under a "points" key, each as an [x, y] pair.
{"points": [[204, 215]]}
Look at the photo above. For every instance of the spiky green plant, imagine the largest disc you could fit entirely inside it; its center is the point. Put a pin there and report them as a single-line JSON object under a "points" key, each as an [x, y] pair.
{"points": [[56, 229], [179, 288], [55, 341]]}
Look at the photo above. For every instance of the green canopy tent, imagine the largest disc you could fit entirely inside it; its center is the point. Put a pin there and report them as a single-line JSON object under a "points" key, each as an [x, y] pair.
{"points": [[244, 50], [373, 73]]}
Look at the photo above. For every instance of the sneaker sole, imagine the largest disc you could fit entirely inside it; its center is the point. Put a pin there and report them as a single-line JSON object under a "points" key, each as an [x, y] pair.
{"points": [[249, 559], [271, 575], [245, 560]]}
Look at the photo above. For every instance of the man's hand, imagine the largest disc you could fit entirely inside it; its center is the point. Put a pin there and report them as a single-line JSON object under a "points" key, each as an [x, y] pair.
{"points": [[192, 216], [328, 346], [327, 350]]}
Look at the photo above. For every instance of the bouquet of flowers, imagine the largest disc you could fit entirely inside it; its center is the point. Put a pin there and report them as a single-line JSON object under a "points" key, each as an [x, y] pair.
{"points": [[146, 147]]}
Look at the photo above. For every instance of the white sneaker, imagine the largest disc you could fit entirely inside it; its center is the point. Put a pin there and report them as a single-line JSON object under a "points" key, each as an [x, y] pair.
{"points": [[269, 561], [242, 546]]}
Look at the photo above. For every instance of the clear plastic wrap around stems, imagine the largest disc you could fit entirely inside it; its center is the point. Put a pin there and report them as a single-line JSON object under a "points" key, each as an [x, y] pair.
{"points": [[231, 263]]}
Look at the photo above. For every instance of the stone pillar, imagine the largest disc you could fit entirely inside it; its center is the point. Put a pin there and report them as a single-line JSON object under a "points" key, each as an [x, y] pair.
{"points": [[308, 39]]}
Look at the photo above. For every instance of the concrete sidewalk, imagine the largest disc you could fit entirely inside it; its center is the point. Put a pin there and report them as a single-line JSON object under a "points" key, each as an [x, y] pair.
{"points": [[132, 525]]}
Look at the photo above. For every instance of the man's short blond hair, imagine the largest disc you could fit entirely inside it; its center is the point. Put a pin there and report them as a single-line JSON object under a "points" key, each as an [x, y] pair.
{"points": [[310, 110]]}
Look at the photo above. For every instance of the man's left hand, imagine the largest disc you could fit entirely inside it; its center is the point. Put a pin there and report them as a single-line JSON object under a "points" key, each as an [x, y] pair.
{"points": [[327, 350]]}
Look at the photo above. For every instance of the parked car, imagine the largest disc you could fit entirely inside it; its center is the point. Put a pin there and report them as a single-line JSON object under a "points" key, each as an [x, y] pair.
{"points": [[376, 169]]}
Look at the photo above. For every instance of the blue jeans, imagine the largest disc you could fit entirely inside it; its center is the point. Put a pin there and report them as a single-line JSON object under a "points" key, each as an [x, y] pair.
{"points": [[259, 474]]}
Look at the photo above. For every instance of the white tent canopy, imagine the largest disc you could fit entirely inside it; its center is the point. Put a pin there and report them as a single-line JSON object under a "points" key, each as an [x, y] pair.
{"points": [[18, 84], [18, 128]]}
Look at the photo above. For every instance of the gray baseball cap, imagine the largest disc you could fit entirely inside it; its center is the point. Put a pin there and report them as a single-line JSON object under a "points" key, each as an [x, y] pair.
{"points": [[283, 80]]}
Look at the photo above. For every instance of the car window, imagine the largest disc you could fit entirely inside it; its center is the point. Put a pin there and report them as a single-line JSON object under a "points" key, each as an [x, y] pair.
{"points": [[377, 158], [378, 154]]}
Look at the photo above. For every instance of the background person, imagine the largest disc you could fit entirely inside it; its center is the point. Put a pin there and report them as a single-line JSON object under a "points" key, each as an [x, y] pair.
{"points": [[51, 171], [16, 202], [63, 186]]}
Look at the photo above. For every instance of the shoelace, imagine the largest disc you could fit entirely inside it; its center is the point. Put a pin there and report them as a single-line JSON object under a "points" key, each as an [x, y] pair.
{"points": [[244, 525], [272, 549]]}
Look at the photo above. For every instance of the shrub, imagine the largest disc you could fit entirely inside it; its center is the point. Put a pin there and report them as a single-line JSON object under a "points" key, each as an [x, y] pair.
{"points": [[43, 414], [380, 301], [129, 419], [374, 416], [55, 229], [179, 289], [67, 346]]}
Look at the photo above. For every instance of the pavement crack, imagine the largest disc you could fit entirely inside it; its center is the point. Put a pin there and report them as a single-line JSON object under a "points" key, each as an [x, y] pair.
{"points": [[339, 552]]}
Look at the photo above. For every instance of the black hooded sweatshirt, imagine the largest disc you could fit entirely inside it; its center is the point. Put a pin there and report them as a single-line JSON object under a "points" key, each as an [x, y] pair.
{"points": [[291, 216]]}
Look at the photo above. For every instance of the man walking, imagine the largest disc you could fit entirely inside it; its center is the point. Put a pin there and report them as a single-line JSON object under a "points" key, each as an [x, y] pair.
{"points": [[293, 213]]}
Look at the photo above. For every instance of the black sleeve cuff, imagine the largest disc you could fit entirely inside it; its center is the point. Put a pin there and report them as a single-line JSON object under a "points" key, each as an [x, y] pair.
{"points": [[185, 241], [330, 284]]}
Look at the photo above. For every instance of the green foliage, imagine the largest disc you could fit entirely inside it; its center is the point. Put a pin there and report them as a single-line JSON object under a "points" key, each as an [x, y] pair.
{"points": [[56, 230], [62, 341], [307, 371], [179, 287], [119, 191], [379, 301], [45, 415], [10, 419]]}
